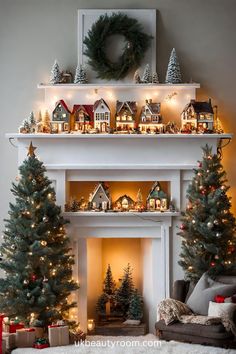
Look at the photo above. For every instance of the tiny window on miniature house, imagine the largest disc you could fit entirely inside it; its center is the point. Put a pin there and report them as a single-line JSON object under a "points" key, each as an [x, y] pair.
{"points": [[129, 118], [117, 118], [209, 116], [106, 116], [202, 116], [64, 115]]}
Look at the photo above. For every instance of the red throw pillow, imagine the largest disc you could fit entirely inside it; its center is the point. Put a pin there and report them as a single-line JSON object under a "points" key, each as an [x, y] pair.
{"points": [[219, 299]]}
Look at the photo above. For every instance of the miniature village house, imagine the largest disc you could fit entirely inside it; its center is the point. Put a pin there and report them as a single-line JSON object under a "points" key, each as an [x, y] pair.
{"points": [[150, 118], [82, 118], [60, 118], [125, 115], [157, 199], [124, 203], [198, 116], [100, 199], [102, 116]]}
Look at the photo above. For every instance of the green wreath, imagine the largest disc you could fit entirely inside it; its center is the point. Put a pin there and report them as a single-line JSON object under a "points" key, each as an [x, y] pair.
{"points": [[137, 44]]}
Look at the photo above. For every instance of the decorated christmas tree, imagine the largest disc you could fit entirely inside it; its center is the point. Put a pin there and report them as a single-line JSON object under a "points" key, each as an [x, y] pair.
{"points": [[173, 74], [80, 75], [147, 76], [208, 226], [125, 291], [136, 306], [55, 73], [35, 250]]}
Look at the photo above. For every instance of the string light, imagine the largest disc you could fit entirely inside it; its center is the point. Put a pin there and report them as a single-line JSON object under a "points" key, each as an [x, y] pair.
{"points": [[43, 243]]}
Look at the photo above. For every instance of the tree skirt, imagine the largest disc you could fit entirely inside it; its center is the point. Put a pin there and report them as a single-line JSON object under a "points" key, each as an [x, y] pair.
{"points": [[148, 344]]}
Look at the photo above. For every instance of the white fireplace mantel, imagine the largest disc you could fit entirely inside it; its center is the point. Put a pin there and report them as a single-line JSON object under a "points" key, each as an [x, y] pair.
{"points": [[171, 158]]}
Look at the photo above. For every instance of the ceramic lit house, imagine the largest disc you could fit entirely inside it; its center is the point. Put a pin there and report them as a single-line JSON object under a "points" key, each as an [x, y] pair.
{"points": [[60, 118], [102, 116], [100, 198], [124, 203], [82, 118], [125, 115], [150, 118], [157, 199], [198, 116]]}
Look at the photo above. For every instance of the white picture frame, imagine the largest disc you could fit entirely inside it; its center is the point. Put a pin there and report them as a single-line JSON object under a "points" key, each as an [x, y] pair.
{"points": [[147, 18]]}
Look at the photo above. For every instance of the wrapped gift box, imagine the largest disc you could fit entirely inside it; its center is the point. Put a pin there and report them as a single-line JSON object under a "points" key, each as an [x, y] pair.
{"points": [[58, 335], [4, 346], [41, 343], [12, 327], [25, 337], [10, 339]]}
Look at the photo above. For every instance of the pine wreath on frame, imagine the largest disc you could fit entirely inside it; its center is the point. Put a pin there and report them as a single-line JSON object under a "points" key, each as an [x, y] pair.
{"points": [[136, 46]]}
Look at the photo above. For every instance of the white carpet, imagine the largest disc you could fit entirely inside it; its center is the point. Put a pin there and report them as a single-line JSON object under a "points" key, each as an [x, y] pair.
{"points": [[148, 344]]}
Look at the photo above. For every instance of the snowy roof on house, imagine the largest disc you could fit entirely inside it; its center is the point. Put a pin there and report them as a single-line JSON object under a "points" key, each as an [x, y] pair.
{"points": [[199, 106], [98, 102], [153, 192], [130, 105], [130, 200], [87, 108], [153, 107], [63, 104]]}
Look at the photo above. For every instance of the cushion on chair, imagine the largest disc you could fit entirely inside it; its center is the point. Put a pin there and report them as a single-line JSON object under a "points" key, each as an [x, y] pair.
{"points": [[205, 291]]}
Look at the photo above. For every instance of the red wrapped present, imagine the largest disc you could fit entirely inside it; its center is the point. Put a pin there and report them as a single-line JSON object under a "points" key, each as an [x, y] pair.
{"points": [[41, 343], [219, 299]]}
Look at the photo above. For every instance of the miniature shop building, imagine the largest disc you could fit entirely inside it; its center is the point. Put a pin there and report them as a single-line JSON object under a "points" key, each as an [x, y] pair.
{"points": [[82, 117], [124, 203], [150, 118], [60, 118], [125, 115], [198, 116], [100, 198], [102, 116], [157, 199]]}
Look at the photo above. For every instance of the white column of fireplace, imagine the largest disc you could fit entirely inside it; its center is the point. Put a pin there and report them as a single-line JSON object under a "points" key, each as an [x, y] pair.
{"points": [[123, 158]]}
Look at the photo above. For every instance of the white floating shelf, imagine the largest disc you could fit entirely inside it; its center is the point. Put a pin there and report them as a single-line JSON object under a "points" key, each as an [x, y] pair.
{"points": [[118, 136], [120, 214], [119, 86]]}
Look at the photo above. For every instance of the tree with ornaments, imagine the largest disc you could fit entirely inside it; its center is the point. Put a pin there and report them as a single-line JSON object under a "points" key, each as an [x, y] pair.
{"points": [[56, 75], [36, 256], [208, 226], [173, 74]]}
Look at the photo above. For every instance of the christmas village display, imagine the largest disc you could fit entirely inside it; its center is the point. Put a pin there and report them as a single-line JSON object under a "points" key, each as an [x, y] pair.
{"points": [[100, 200]]}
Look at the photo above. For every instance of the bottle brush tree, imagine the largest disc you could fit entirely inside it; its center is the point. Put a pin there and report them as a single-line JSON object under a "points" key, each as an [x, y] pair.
{"points": [[136, 306], [208, 226], [173, 74], [36, 256], [109, 287], [125, 291]]}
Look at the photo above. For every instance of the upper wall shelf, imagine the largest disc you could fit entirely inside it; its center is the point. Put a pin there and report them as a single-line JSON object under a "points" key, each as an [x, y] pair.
{"points": [[119, 86]]}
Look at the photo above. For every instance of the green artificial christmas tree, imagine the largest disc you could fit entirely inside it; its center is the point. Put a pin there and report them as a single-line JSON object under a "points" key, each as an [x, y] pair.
{"points": [[109, 283], [136, 306], [35, 250], [125, 291], [208, 226], [173, 74], [108, 292]]}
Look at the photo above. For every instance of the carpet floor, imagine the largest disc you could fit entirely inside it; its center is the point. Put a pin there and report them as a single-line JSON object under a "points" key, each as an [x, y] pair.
{"points": [[148, 344]]}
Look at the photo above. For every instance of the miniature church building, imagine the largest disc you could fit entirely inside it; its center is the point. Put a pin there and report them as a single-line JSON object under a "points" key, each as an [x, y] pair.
{"points": [[125, 115], [102, 116], [60, 118], [150, 118], [124, 203], [82, 118], [198, 116], [157, 199], [100, 198]]}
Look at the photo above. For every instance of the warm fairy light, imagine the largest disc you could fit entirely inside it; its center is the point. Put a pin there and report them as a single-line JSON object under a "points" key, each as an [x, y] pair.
{"points": [[42, 258], [30, 253], [190, 268], [43, 243], [33, 225], [91, 324], [49, 195]]}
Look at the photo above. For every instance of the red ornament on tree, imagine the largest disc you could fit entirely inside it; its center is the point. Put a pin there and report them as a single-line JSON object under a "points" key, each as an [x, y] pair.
{"points": [[182, 227], [199, 164], [213, 264], [33, 277]]}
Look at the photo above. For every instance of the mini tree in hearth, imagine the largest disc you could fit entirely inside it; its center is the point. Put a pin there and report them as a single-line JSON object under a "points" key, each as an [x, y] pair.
{"points": [[108, 293], [35, 250], [125, 291], [208, 226]]}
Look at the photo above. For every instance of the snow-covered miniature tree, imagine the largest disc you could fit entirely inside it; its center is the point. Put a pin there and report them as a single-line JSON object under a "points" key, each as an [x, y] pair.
{"points": [[55, 73], [137, 79], [147, 76], [25, 127], [32, 122], [80, 75], [173, 74], [136, 306], [155, 78]]}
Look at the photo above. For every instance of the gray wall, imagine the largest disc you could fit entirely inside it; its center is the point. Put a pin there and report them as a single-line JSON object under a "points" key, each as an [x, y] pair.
{"points": [[33, 33]]}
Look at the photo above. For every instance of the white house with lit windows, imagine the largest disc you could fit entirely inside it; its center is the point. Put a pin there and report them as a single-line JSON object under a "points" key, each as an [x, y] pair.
{"points": [[102, 115]]}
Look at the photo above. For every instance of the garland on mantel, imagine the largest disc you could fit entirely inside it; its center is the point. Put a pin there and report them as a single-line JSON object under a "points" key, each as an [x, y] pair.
{"points": [[106, 26]]}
